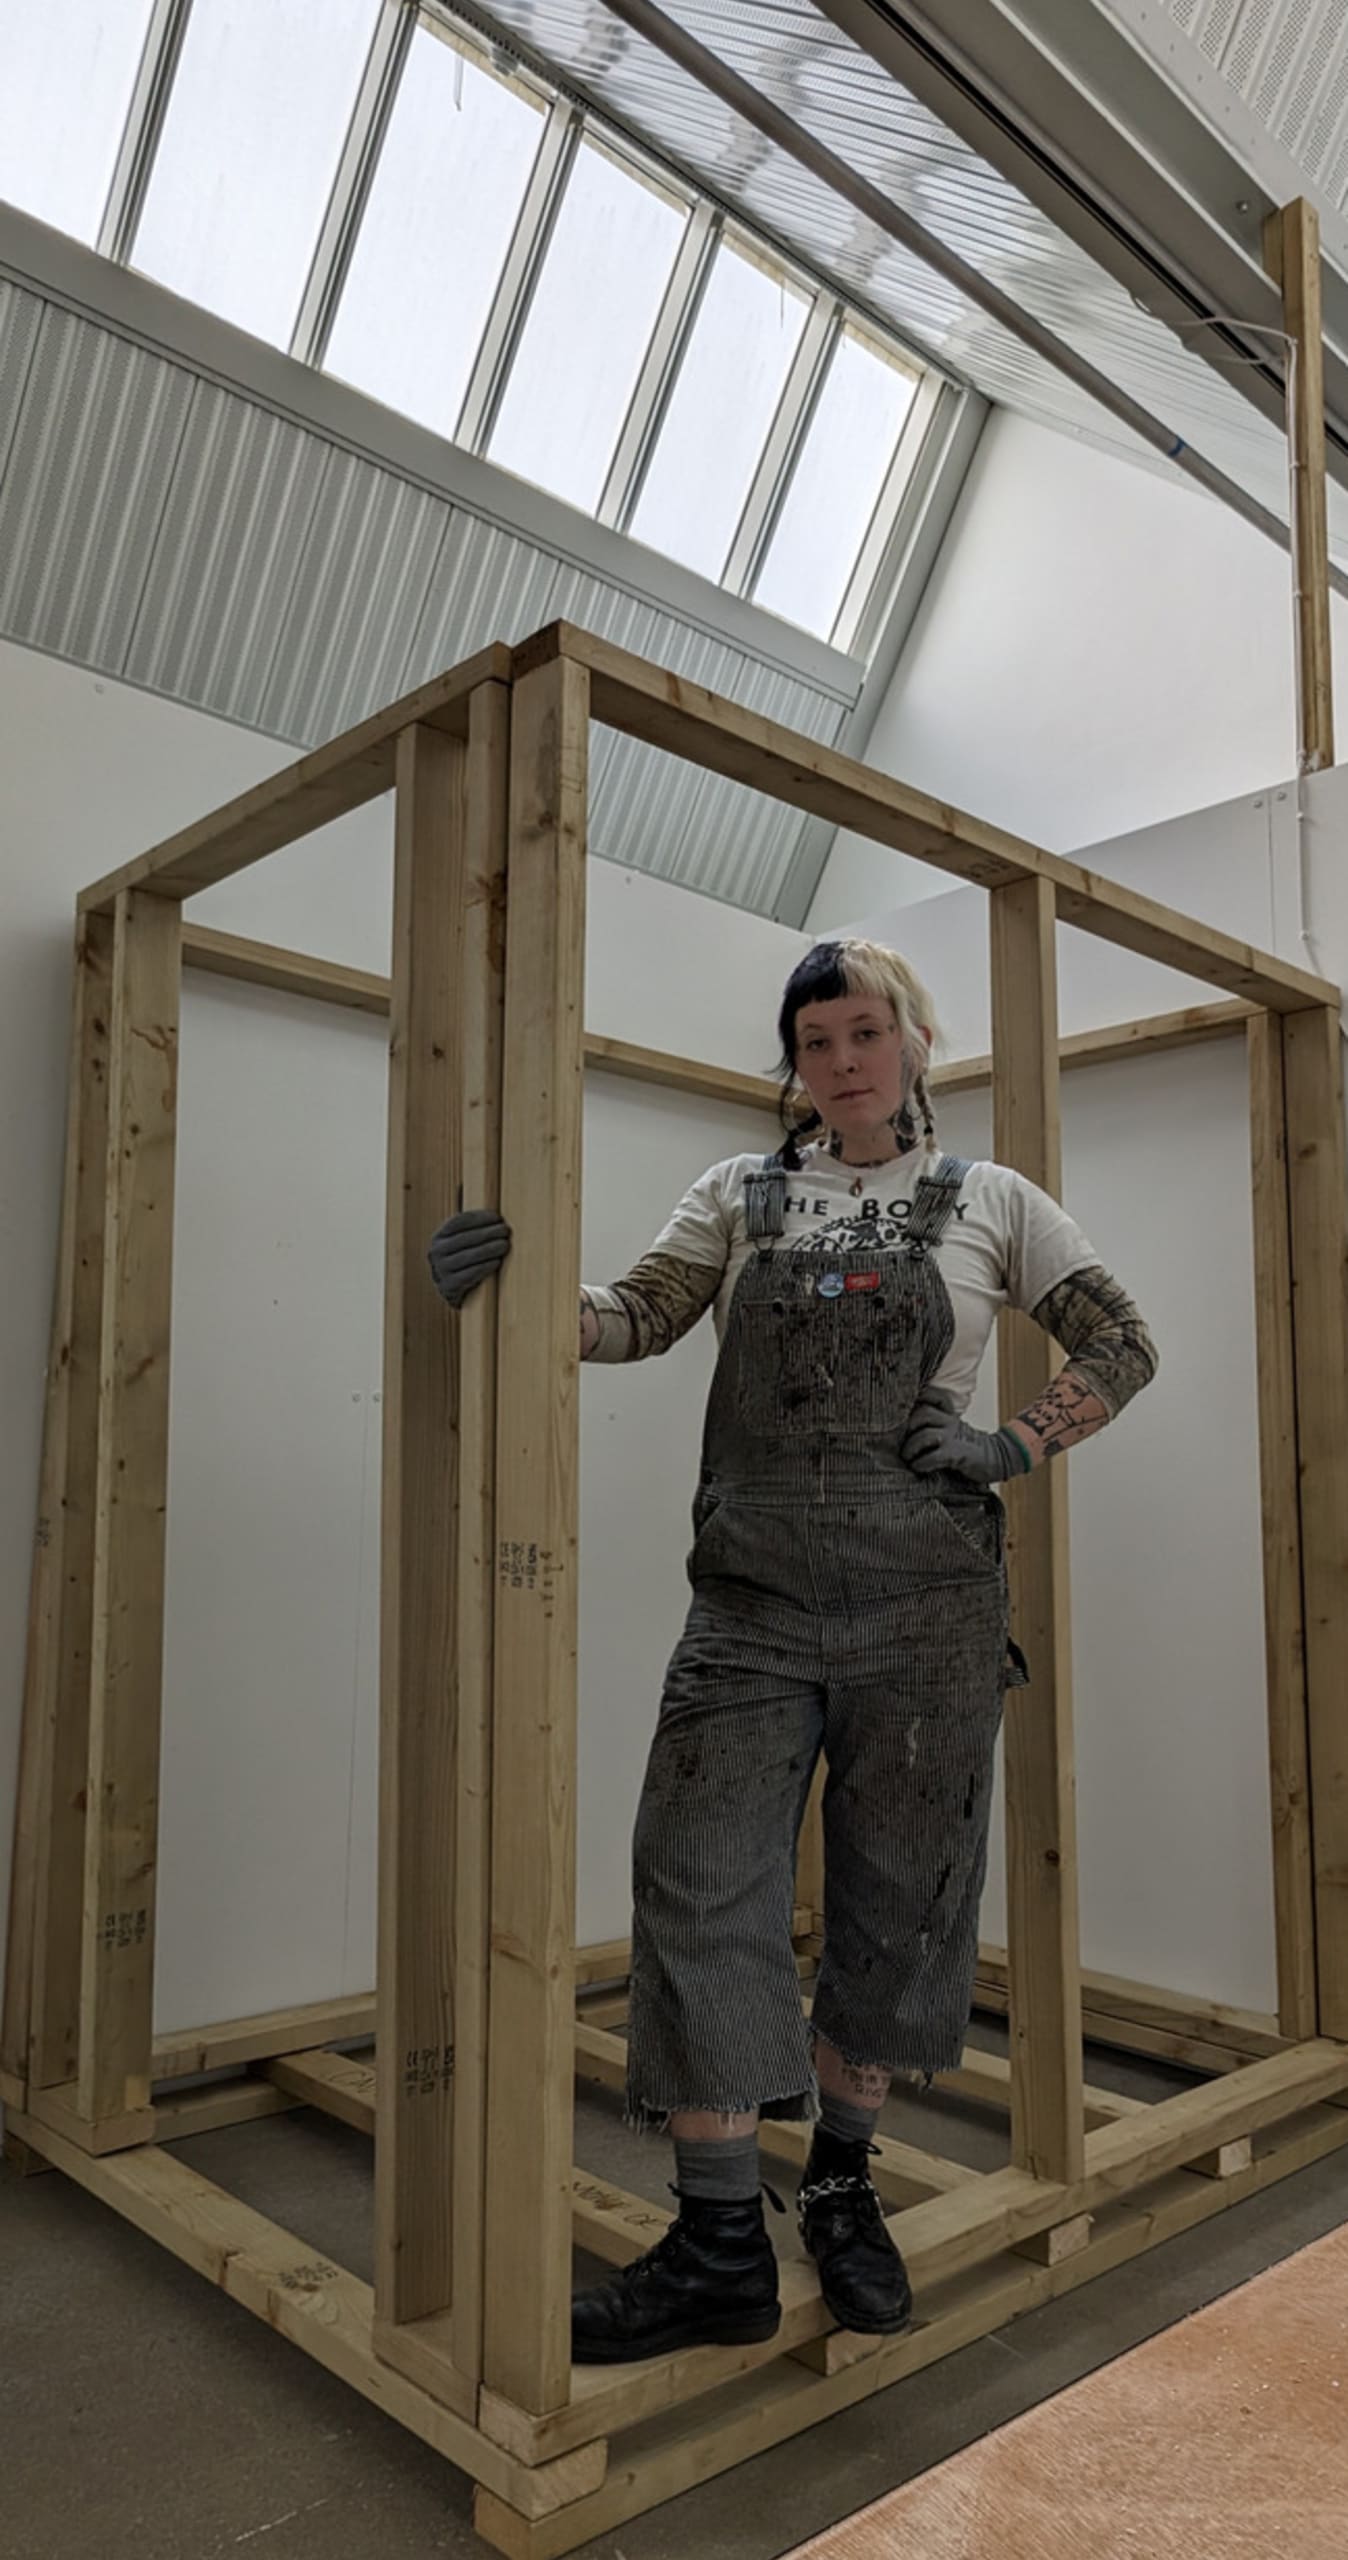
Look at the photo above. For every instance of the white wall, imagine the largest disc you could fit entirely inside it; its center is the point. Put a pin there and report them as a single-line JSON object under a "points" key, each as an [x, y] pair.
{"points": [[1098, 649], [266, 1883]]}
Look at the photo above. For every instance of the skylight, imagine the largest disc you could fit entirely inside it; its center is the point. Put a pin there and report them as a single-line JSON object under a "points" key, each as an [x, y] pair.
{"points": [[371, 185]]}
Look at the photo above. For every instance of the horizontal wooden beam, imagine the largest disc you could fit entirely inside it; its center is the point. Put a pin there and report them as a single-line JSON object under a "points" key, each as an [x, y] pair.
{"points": [[305, 2297], [1249, 2034], [676, 2449], [219, 2105], [1191, 1027], [296, 973], [287, 973], [903, 2174], [328, 784], [946, 2234], [687, 720], [236, 2041]]}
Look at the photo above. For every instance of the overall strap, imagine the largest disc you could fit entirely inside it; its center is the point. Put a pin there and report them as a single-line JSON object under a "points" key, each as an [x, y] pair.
{"points": [[934, 1201], [765, 1200]]}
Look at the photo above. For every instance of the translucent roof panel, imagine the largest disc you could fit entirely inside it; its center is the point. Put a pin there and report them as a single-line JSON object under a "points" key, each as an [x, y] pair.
{"points": [[433, 238], [733, 374], [66, 76], [252, 137], [590, 321], [836, 485]]}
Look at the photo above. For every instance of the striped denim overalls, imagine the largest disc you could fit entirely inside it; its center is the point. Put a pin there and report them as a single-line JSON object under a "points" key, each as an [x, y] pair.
{"points": [[839, 1603]]}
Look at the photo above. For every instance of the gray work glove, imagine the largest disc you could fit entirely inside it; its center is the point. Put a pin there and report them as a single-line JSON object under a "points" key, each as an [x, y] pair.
{"points": [[467, 1250], [937, 1442]]}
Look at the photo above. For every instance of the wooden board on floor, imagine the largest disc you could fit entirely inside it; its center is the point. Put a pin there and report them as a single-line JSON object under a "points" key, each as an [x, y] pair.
{"points": [[1223, 2434]]}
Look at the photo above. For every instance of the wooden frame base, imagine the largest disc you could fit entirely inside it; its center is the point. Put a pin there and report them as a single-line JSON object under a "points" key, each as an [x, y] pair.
{"points": [[983, 2250]]}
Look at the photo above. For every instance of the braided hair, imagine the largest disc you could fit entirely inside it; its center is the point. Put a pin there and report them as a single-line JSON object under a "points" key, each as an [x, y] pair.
{"points": [[853, 968]]}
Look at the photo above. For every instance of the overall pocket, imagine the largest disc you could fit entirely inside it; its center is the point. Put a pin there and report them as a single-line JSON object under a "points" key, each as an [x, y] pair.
{"points": [[812, 1364]]}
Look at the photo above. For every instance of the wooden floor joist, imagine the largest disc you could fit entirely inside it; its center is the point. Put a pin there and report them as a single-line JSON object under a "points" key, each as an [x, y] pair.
{"points": [[674, 2450]]}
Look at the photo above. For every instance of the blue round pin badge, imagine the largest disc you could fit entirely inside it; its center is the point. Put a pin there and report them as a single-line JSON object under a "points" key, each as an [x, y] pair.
{"points": [[831, 1284]]}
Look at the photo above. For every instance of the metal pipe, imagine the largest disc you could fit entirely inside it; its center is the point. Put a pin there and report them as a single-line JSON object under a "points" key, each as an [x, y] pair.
{"points": [[713, 74]]}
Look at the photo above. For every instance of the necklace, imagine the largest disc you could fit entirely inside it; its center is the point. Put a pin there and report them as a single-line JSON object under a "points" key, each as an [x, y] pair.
{"points": [[872, 1165]]}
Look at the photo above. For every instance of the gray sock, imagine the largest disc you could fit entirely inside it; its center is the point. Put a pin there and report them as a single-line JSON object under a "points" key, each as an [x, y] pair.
{"points": [[718, 2172], [845, 2122]]}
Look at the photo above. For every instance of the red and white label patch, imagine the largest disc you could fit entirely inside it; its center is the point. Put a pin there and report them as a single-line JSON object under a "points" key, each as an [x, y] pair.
{"points": [[863, 1280]]}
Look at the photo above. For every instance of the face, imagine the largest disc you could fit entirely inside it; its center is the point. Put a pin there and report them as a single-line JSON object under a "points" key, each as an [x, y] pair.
{"points": [[853, 1062]]}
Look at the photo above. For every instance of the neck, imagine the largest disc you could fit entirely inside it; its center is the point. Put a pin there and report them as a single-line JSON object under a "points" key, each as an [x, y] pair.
{"points": [[881, 1145]]}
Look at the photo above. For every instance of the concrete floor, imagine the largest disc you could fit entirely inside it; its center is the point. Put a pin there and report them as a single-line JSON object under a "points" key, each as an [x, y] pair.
{"points": [[144, 2417]]}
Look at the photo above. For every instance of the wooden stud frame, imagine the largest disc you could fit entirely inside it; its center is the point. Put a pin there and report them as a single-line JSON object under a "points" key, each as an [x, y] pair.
{"points": [[464, 2335]]}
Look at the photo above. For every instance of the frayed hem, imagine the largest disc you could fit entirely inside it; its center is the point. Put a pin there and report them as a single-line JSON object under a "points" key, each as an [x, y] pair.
{"points": [[799, 2106], [917, 2075]]}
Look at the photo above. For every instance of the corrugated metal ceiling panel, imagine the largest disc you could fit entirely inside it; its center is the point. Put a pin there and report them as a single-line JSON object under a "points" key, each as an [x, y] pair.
{"points": [[160, 527], [644, 90], [792, 54]]}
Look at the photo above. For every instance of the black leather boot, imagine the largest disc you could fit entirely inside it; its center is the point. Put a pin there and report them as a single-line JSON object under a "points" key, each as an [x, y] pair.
{"points": [[711, 2282], [861, 2275]]}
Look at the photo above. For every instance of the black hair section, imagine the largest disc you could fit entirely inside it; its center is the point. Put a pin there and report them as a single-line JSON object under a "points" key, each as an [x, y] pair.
{"points": [[817, 979]]}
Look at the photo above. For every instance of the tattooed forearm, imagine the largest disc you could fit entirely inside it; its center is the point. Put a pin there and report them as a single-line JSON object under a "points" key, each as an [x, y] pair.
{"points": [[1111, 1357], [1108, 1346], [648, 1311], [1066, 1412]]}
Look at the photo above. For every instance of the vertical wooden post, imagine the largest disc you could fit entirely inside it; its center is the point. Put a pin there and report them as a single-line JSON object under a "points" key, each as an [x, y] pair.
{"points": [[63, 1693], [33, 1807], [482, 1010], [1292, 256], [527, 2347], [419, 1532], [434, 1731], [1293, 1893], [1043, 1950], [1315, 1173], [125, 1689]]}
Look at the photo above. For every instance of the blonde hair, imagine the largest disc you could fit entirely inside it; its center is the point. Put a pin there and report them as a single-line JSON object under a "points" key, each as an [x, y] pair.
{"points": [[853, 967]]}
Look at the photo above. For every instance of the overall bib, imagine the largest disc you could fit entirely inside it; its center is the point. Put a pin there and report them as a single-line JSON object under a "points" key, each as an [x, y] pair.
{"points": [[843, 1604]]}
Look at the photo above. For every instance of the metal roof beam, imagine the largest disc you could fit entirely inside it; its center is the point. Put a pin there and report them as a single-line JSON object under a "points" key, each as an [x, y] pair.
{"points": [[1060, 102]]}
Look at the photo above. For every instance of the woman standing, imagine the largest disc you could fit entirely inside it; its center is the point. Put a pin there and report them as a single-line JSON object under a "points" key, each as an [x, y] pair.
{"points": [[849, 1597]]}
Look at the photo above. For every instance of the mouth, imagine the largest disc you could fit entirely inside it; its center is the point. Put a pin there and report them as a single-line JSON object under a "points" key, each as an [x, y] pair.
{"points": [[856, 1093]]}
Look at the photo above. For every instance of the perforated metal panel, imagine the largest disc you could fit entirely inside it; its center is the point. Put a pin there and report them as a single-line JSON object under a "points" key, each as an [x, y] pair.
{"points": [[160, 527], [1287, 60]]}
